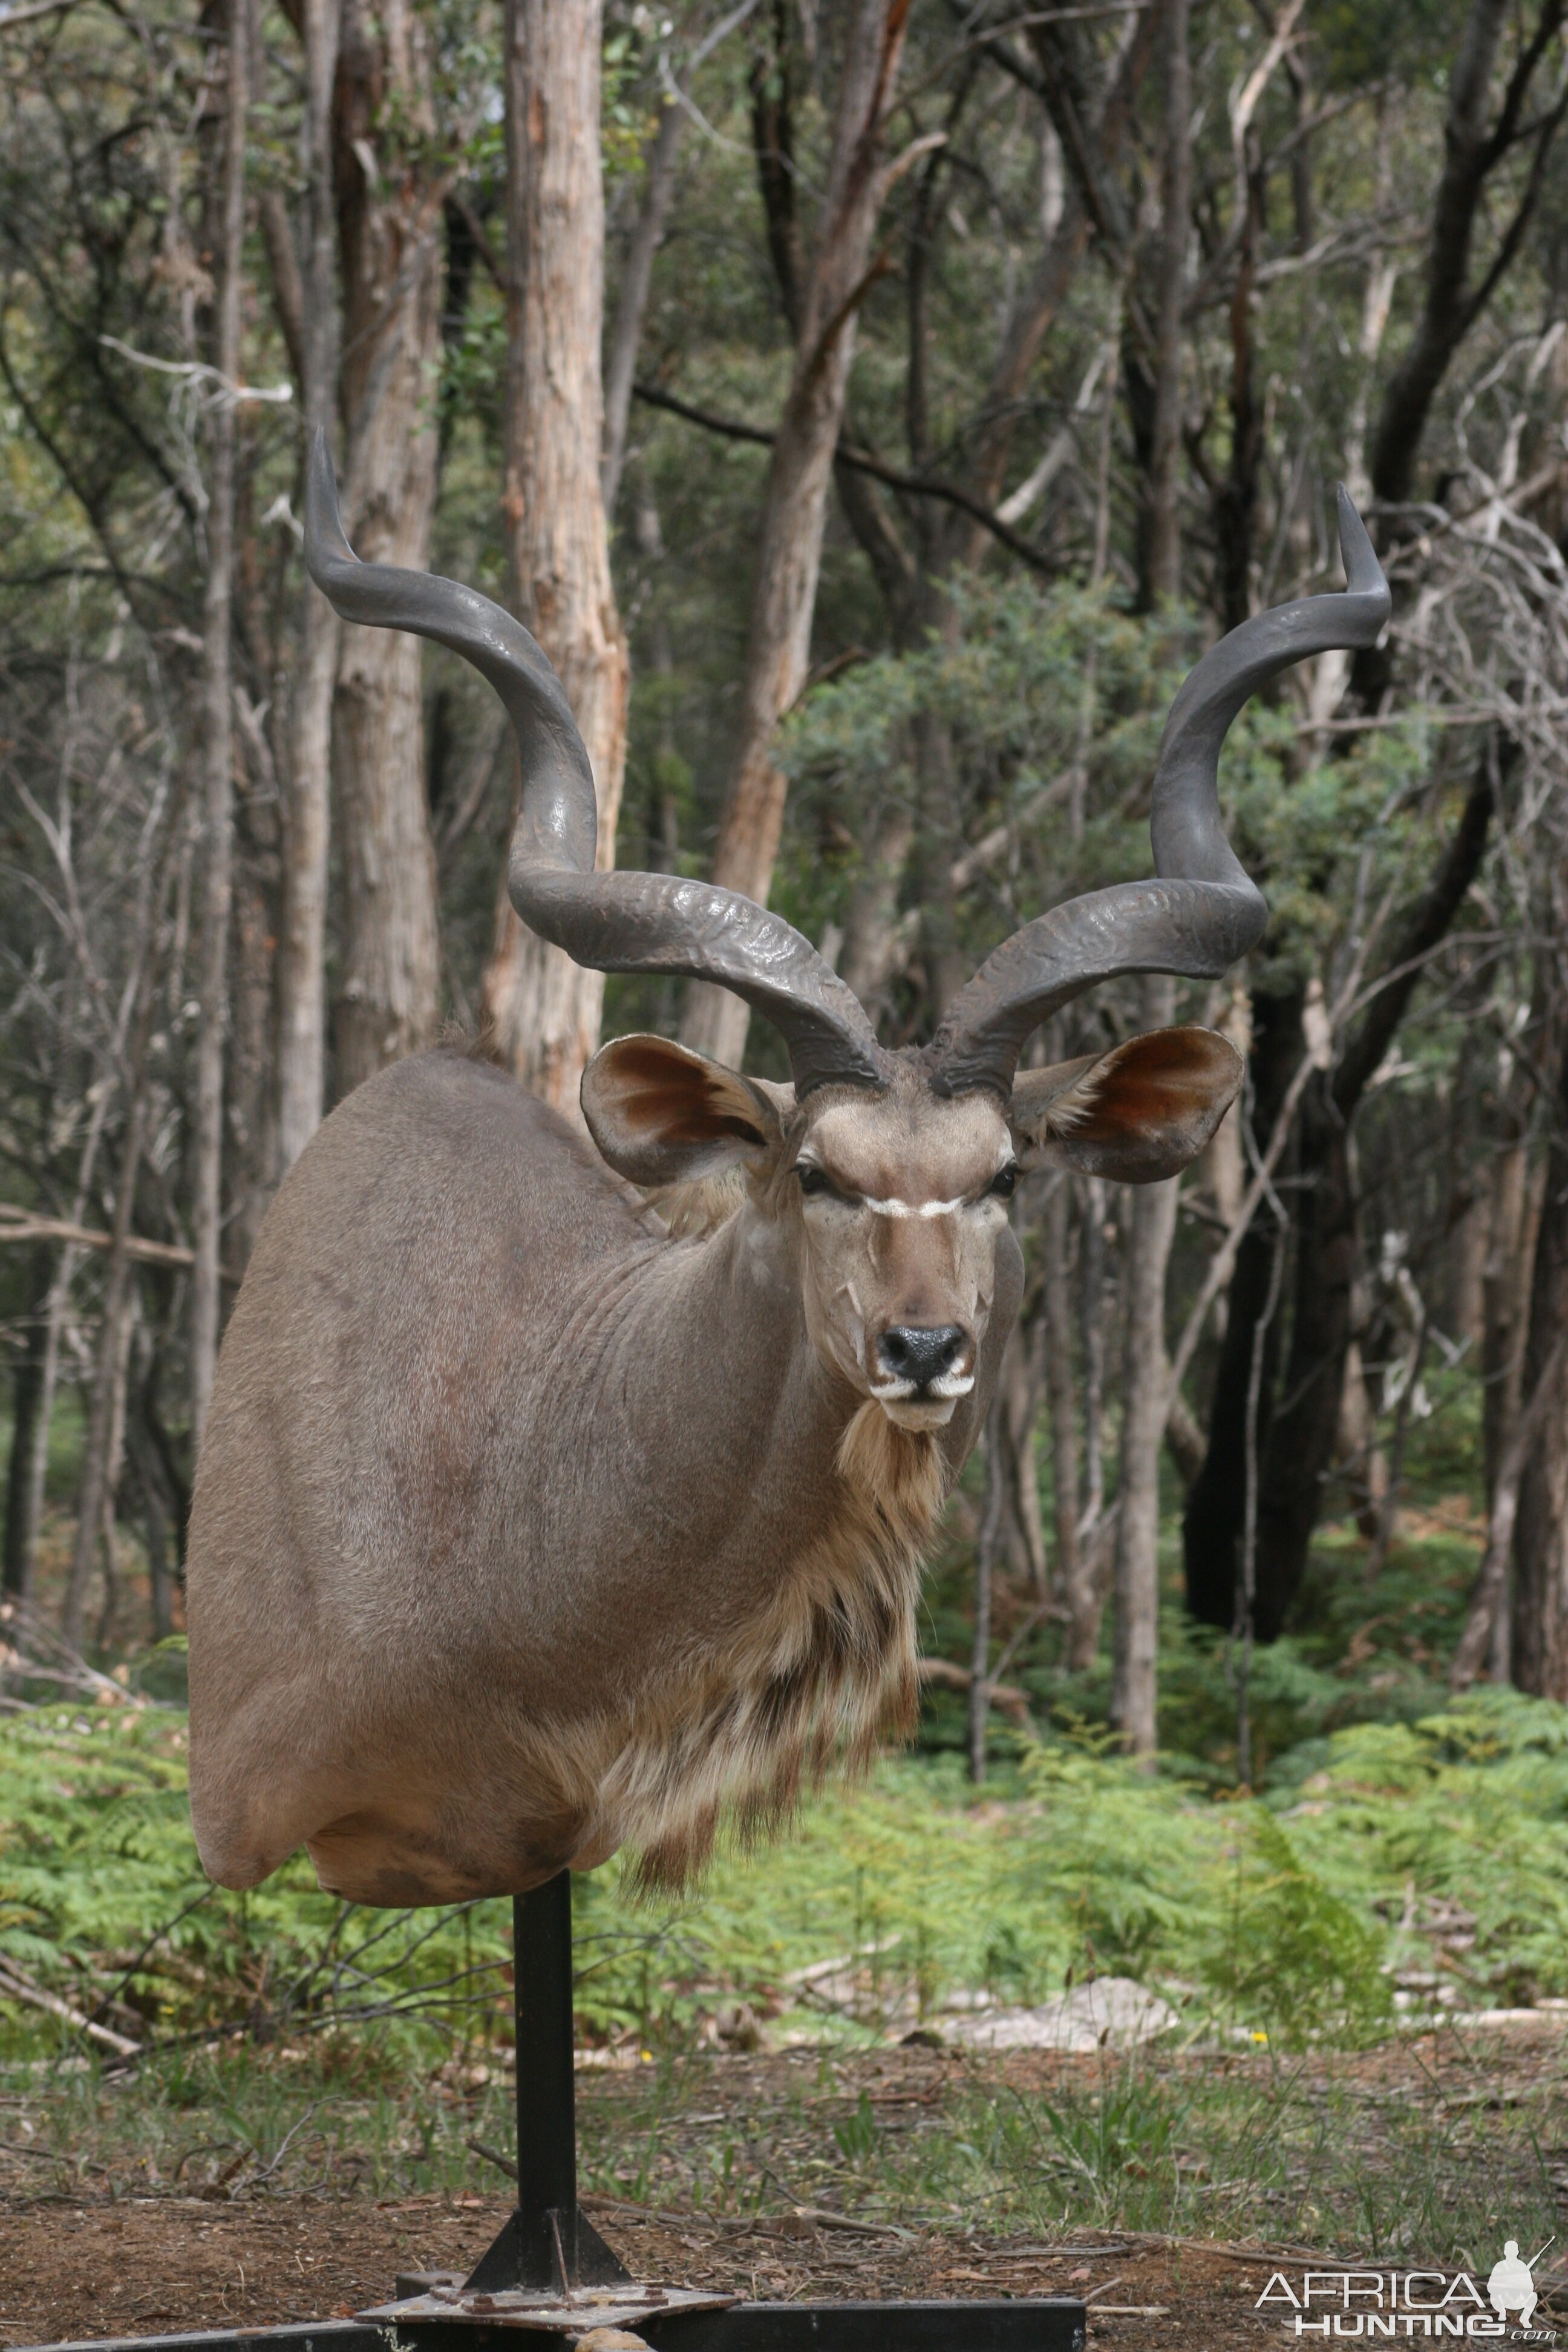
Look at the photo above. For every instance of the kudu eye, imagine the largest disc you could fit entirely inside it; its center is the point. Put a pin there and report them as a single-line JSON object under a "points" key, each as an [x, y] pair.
{"points": [[1004, 1183], [813, 1180]]}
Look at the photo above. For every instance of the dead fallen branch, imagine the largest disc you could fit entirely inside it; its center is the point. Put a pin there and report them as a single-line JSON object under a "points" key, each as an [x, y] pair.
{"points": [[15, 1986]]}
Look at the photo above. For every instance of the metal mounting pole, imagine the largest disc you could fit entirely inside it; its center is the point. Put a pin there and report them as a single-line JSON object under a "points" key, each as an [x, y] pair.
{"points": [[547, 2243]]}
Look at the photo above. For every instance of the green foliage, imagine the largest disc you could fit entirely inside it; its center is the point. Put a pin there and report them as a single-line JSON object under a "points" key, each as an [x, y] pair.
{"points": [[1467, 1808], [364, 2051], [1278, 1915], [1358, 41], [1030, 686], [1050, 704], [1295, 1956]]}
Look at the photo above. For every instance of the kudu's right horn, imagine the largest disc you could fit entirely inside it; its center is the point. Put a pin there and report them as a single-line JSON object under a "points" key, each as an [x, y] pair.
{"points": [[1203, 911], [616, 921]]}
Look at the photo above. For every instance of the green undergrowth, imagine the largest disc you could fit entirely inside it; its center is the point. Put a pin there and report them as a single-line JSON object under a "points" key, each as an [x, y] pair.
{"points": [[1434, 1850], [295, 2046]]}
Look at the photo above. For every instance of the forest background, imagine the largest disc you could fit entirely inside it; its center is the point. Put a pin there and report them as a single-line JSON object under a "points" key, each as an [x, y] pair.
{"points": [[874, 409]]}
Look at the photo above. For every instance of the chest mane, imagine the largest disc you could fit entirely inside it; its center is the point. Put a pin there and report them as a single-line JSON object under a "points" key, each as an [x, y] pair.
{"points": [[825, 1672]]}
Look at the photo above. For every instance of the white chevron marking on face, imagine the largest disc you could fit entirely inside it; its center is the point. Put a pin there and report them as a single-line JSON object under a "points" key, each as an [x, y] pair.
{"points": [[914, 1208]]}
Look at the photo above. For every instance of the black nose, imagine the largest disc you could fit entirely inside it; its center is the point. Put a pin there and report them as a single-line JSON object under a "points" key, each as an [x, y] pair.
{"points": [[921, 1353]]}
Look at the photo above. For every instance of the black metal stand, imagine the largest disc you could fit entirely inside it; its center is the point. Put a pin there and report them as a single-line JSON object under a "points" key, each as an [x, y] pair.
{"points": [[550, 2275], [548, 2240], [550, 2257]]}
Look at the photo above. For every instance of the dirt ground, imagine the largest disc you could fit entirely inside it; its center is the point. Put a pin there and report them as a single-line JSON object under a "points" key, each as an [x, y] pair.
{"points": [[148, 2267], [80, 2261]]}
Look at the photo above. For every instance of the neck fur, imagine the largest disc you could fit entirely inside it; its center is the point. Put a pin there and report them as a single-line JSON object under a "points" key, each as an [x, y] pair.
{"points": [[820, 1674]]}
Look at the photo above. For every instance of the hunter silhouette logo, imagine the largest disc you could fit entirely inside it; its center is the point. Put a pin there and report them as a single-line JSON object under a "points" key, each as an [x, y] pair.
{"points": [[1402, 2305], [1511, 2287]]}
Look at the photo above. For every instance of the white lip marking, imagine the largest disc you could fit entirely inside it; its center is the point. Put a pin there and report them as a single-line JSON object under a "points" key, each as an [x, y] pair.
{"points": [[914, 1208], [950, 1385]]}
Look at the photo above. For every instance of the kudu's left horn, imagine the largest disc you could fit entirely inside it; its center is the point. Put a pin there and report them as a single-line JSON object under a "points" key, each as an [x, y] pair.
{"points": [[1202, 911], [616, 921]]}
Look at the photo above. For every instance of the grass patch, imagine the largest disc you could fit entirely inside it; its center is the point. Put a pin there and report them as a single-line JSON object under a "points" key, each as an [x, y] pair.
{"points": [[1412, 2152]]}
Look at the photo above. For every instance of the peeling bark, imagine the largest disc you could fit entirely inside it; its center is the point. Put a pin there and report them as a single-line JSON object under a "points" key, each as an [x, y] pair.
{"points": [[389, 228], [543, 1008], [218, 751], [789, 548], [302, 920]]}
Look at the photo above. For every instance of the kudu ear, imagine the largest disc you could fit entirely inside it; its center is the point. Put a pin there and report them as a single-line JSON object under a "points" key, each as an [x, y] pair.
{"points": [[663, 1115], [1138, 1113]]}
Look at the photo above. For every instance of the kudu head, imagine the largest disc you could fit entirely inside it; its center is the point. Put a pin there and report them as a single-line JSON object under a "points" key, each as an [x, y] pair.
{"points": [[892, 1171]]}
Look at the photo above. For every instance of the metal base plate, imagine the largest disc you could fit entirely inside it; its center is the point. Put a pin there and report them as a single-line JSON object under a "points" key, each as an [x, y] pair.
{"points": [[1035, 2324], [626, 2305]]}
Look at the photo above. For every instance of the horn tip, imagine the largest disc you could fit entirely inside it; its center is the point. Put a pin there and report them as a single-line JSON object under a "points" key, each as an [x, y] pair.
{"points": [[1363, 573]]}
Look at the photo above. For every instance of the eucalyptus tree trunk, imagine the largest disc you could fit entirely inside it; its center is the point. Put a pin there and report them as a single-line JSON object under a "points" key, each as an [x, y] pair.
{"points": [[789, 544], [1304, 1424], [218, 717], [1143, 1408], [1021, 1539], [871, 953], [1297, 1430], [637, 276], [543, 1008], [389, 229], [105, 1413], [1072, 1587], [57, 1302], [302, 930], [1212, 1520], [1164, 472], [1505, 1288], [1540, 1659], [27, 1404], [984, 1564]]}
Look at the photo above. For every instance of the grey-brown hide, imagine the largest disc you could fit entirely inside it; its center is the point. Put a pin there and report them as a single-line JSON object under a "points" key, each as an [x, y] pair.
{"points": [[523, 1530], [528, 1524]]}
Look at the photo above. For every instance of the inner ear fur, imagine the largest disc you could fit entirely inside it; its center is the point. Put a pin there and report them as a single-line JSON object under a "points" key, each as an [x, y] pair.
{"points": [[661, 1114], [1136, 1114]]}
